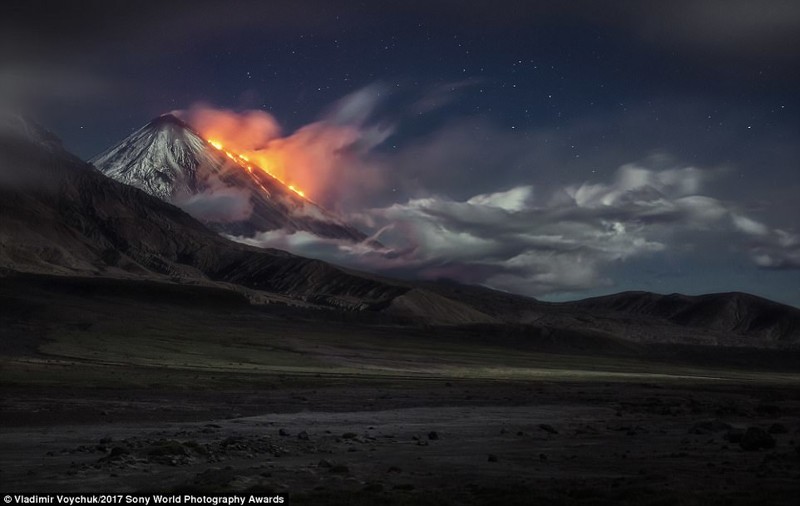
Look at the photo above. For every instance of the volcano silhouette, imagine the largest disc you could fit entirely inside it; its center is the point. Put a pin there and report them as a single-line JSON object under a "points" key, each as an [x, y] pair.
{"points": [[169, 160]]}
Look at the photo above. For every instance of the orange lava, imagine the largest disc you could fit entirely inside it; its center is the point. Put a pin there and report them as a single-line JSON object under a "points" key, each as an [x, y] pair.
{"points": [[262, 162]]}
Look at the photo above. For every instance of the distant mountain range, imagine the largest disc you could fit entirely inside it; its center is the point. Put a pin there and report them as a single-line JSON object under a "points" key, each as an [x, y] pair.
{"points": [[169, 160], [61, 216]]}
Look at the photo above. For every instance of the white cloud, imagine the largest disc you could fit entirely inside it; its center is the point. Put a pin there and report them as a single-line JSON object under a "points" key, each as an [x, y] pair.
{"points": [[218, 203], [508, 240], [749, 226]]}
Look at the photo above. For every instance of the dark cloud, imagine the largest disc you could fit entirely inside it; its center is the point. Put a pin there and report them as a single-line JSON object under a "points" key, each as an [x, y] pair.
{"points": [[738, 29]]}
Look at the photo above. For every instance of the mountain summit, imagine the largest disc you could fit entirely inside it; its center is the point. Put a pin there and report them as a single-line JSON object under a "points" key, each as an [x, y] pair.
{"points": [[169, 160]]}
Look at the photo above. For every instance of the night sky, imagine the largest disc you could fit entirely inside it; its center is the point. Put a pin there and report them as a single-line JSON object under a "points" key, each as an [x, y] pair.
{"points": [[560, 152]]}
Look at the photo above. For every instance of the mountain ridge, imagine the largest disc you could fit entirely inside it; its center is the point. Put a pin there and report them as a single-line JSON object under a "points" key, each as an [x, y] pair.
{"points": [[69, 219]]}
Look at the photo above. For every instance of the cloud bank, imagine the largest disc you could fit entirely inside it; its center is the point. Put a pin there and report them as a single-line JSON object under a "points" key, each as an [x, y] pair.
{"points": [[562, 240]]}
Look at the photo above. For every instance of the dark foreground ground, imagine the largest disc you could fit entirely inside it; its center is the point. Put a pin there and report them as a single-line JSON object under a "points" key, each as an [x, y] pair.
{"points": [[415, 442], [126, 387]]}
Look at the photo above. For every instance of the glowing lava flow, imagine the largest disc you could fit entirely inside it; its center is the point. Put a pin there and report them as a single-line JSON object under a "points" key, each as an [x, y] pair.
{"points": [[244, 161]]}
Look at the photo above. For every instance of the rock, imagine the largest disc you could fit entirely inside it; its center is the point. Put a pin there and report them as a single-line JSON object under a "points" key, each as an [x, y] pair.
{"points": [[734, 435], [492, 457], [339, 469], [433, 435], [303, 435], [394, 469], [283, 432], [768, 409], [349, 435], [542, 457], [117, 451], [756, 439], [777, 428], [325, 463], [548, 428], [167, 448], [709, 427]]}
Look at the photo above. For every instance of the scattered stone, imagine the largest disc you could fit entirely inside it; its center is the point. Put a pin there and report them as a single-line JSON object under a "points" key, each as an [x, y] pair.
{"points": [[349, 435], [283, 432], [422, 442], [394, 469], [373, 487], [756, 439], [520, 433], [548, 428], [492, 457], [303, 436], [325, 463], [404, 486], [339, 469], [433, 435], [542, 457]]}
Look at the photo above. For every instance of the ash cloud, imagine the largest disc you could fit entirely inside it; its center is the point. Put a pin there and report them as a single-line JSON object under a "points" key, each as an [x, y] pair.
{"points": [[328, 159]]}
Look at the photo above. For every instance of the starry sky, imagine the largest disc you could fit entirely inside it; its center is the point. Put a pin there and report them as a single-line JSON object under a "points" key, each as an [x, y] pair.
{"points": [[560, 151]]}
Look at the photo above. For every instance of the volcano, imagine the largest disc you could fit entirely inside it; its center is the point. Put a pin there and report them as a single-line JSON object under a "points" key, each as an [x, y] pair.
{"points": [[169, 160]]}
